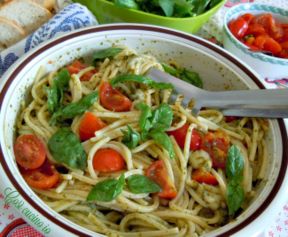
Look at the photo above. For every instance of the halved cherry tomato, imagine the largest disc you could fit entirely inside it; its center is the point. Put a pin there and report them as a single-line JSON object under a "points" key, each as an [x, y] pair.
{"points": [[30, 152], [203, 176], [158, 173], [238, 27], [266, 20], [248, 17], [89, 124], [77, 66], [217, 145], [44, 177], [112, 99], [180, 135], [255, 29], [266, 43], [108, 160], [229, 119]]}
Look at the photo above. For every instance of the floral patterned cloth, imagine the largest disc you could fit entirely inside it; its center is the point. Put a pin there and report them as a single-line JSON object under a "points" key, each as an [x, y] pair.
{"points": [[75, 16]]}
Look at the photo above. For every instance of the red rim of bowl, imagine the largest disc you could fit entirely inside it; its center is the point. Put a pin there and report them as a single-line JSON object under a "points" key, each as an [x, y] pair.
{"points": [[192, 38]]}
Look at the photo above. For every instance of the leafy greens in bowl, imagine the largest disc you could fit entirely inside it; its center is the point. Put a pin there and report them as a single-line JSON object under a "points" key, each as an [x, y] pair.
{"points": [[184, 15], [170, 8]]}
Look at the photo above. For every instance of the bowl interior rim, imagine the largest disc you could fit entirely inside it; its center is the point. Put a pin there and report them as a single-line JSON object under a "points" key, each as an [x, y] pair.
{"points": [[155, 29]]}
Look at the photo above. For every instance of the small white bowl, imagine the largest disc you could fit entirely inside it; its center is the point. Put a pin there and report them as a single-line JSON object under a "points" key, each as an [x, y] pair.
{"points": [[219, 70], [267, 66]]}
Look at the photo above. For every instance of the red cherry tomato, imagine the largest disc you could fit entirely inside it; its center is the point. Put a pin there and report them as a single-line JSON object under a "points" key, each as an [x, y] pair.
{"points": [[30, 152], [44, 177], [255, 30], [89, 125], [112, 99], [203, 176], [248, 17], [180, 135], [266, 43], [217, 145], [77, 66], [238, 27], [158, 173], [108, 160]]}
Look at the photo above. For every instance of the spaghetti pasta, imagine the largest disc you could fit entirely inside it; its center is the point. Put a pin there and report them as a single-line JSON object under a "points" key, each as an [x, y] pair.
{"points": [[187, 191]]}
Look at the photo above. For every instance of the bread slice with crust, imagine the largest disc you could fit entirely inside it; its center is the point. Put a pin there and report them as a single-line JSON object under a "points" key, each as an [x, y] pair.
{"points": [[11, 32], [28, 14], [48, 4]]}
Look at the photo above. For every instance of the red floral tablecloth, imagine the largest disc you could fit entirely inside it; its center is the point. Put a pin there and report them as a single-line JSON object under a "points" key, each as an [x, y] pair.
{"points": [[11, 223]]}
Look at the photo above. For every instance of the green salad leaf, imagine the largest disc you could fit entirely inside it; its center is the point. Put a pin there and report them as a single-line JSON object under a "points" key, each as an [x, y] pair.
{"points": [[138, 183], [141, 79], [127, 4], [169, 8], [107, 190], [66, 148]]}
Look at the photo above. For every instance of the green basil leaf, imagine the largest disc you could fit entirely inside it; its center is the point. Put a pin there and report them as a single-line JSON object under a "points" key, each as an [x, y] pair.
{"points": [[171, 70], [234, 164], [191, 77], [162, 139], [235, 196], [66, 148], [167, 7], [106, 53], [73, 109], [140, 79], [127, 4], [131, 138], [162, 117], [107, 190], [55, 92], [184, 74], [146, 113], [141, 184]]}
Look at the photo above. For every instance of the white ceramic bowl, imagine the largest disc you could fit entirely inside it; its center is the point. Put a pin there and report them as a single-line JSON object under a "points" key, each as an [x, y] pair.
{"points": [[267, 66], [219, 69]]}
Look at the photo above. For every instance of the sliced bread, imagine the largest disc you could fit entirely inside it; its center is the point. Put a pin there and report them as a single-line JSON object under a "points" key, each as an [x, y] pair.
{"points": [[48, 4], [28, 14], [11, 32]]}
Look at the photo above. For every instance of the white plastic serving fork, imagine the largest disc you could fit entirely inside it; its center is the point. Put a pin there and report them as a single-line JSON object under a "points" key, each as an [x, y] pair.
{"points": [[249, 103]]}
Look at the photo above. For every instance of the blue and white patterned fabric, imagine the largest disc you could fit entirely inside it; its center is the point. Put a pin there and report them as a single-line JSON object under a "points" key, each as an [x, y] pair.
{"points": [[72, 17]]}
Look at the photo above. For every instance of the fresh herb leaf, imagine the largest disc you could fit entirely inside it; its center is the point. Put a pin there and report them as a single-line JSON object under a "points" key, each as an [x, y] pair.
{"points": [[127, 4], [107, 190], [184, 74], [144, 121], [131, 138], [55, 92], [141, 184], [171, 70], [162, 117], [140, 79], [234, 173], [66, 148], [154, 123], [167, 7], [191, 77], [73, 109], [234, 164], [162, 139], [235, 196], [106, 53]]}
